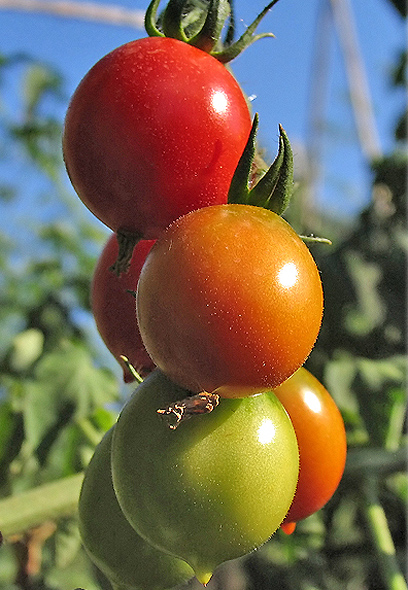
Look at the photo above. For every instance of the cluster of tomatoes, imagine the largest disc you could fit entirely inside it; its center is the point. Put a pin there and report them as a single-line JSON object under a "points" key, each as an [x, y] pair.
{"points": [[227, 437]]}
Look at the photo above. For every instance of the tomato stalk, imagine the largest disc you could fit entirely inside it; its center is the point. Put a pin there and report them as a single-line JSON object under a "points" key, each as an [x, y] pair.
{"points": [[202, 24], [127, 241], [131, 368]]}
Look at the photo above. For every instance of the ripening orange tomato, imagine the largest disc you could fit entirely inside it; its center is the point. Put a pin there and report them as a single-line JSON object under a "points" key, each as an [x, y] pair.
{"points": [[321, 437], [229, 300]]}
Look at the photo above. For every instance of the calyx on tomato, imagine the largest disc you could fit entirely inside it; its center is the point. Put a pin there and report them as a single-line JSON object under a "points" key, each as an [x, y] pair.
{"points": [[275, 187], [272, 188], [202, 27]]}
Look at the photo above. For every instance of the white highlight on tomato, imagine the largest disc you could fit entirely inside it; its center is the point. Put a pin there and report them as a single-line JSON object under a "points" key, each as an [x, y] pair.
{"points": [[312, 401], [288, 275], [266, 432], [219, 102]]}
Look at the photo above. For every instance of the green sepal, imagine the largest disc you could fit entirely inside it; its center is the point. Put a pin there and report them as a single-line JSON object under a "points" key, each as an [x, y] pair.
{"points": [[275, 188], [210, 34], [173, 20], [232, 51], [150, 20], [201, 24], [195, 22], [239, 187], [312, 239]]}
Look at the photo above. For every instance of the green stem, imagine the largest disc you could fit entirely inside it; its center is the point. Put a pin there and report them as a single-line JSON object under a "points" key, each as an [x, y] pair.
{"points": [[50, 501], [372, 461], [396, 424], [381, 537], [92, 435], [131, 368]]}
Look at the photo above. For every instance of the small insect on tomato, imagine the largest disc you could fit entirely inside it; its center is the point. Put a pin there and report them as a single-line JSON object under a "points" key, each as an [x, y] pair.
{"points": [[193, 405]]}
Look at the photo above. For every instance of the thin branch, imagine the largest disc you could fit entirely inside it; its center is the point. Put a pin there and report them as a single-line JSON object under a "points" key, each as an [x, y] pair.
{"points": [[383, 543], [50, 501], [358, 85], [110, 14], [316, 116]]}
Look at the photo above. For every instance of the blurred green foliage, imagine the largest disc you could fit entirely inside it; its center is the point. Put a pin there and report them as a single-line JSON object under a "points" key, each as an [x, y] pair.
{"points": [[59, 393]]}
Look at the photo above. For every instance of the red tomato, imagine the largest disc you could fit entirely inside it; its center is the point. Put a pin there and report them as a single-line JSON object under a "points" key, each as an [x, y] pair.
{"points": [[155, 129], [322, 443], [114, 310], [229, 300]]}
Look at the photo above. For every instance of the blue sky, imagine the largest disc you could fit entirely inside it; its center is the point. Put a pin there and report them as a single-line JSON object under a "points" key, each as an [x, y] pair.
{"points": [[277, 72]]}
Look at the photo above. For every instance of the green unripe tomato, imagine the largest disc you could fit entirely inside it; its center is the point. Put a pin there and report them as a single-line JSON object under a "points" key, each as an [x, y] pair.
{"points": [[203, 491], [110, 541]]}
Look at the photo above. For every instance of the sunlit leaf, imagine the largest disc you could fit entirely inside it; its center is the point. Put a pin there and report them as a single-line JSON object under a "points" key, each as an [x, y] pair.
{"points": [[38, 81], [26, 349]]}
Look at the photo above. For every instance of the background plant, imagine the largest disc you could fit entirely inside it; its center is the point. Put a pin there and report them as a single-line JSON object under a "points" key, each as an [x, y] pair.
{"points": [[60, 391]]}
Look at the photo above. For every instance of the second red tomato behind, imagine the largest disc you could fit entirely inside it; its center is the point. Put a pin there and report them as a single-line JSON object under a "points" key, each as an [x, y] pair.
{"points": [[114, 308]]}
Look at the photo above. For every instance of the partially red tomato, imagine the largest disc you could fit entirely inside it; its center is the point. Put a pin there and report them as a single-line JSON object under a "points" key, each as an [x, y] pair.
{"points": [[113, 307], [155, 129], [322, 443], [229, 300]]}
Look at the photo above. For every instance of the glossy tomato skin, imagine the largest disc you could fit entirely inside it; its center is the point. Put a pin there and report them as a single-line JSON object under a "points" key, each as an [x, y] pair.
{"points": [[111, 542], [154, 130], [241, 305], [114, 307], [202, 492], [321, 438]]}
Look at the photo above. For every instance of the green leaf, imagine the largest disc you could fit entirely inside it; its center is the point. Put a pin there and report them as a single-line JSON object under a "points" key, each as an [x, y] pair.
{"points": [[369, 311], [11, 437], [210, 34], [26, 349], [68, 454], [380, 386], [39, 79], [71, 372], [104, 418], [201, 23], [339, 376], [247, 38], [377, 372], [37, 422], [80, 573], [67, 543], [370, 394], [68, 384]]}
